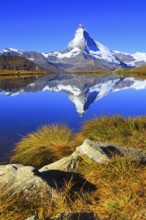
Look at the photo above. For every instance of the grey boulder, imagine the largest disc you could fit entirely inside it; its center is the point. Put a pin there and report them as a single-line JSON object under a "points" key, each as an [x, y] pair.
{"points": [[16, 178], [66, 164], [103, 152]]}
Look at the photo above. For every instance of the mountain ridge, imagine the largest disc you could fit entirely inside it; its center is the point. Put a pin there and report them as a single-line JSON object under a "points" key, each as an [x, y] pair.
{"points": [[19, 63], [83, 53]]}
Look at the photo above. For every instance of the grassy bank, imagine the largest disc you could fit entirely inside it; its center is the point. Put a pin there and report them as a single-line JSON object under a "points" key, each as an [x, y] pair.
{"points": [[139, 72], [130, 132], [19, 73], [96, 72], [120, 185], [54, 142]]}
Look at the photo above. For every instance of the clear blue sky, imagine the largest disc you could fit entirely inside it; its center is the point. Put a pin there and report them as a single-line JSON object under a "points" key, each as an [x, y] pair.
{"points": [[46, 25]]}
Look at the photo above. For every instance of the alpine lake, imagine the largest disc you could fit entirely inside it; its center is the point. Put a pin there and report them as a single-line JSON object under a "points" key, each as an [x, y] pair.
{"points": [[28, 103]]}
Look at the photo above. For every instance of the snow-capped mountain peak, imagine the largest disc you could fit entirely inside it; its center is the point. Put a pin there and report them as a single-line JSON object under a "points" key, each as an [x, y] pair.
{"points": [[82, 54], [12, 51], [82, 40]]}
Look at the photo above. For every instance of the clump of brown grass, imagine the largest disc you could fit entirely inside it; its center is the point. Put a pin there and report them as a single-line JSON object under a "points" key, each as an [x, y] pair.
{"points": [[129, 132], [121, 188], [44, 146], [13, 206]]}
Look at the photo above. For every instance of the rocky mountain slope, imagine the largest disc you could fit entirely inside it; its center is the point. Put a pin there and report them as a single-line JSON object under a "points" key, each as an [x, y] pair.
{"points": [[131, 60], [16, 59], [82, 54], [19, 63]]}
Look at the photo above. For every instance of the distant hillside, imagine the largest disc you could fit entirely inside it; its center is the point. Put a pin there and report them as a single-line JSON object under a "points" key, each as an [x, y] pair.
{"points": [[20, 63], [139, 72]]}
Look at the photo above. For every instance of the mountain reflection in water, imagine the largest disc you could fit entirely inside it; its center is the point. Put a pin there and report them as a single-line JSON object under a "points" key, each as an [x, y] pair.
{"points": [[28, 103], [82, 90]]}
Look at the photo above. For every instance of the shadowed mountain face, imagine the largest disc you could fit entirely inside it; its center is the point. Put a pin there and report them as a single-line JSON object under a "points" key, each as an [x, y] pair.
{"points": [[82, 90]]}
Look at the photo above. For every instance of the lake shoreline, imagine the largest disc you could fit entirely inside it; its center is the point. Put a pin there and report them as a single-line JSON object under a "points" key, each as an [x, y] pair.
{"points": [[139, 72], [95, 171]]}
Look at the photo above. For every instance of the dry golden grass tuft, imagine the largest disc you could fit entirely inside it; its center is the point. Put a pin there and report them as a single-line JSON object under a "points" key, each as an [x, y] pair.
{"points": [[46, 145], [129, 132], [121, 189], [12, 206]]}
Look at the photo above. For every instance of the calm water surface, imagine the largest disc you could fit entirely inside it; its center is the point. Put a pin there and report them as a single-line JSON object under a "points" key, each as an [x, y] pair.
{"points": [[29, 103]]}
